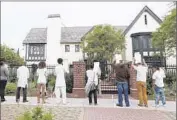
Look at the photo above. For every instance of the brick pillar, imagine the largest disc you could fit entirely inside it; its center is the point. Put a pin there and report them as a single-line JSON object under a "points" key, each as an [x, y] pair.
{"points": [[133, 88], [79, 79]]}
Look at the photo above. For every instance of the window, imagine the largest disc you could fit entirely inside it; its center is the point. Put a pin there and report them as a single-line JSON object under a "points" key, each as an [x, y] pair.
{"points": [[77, 48], [36, 51], [145, 19], [67, 48]]}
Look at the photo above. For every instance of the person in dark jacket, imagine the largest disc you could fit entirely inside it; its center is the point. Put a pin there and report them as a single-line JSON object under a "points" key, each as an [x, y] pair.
{"points": [[4, 73], [122, 78]]}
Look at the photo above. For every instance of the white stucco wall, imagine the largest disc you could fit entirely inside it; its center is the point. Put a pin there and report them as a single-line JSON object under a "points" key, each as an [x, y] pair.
{"points": [[53, 40], [139, 26], [72, 55]]}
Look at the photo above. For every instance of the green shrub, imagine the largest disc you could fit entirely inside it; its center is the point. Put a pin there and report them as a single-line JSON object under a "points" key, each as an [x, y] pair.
{"points": [[69, 82], [36, 114], [150, 90], [51, 80], [68, 78], [10, 88]]}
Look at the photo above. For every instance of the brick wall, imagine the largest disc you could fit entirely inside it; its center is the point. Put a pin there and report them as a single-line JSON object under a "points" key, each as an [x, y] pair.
{"points": [[79, 79], [133, 88]]}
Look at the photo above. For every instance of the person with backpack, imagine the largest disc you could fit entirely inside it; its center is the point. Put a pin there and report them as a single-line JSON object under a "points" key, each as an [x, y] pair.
{"points": [[91, 85]]}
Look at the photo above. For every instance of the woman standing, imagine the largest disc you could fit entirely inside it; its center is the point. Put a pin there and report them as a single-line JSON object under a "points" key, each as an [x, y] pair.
{"points": [[41, 81], [4, 73], [91, 85]]}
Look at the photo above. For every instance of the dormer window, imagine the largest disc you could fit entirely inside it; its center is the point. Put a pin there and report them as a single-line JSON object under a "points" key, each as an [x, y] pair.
{"points": [[145, 19]]}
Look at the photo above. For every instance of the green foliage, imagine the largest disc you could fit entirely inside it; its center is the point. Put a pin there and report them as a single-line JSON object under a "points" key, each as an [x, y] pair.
{"points": [[10, 88], [103, 42], [10, 56], [36, 114], [51, 80], [26, 116], [150, 90], [69, 82], [165, 36]]}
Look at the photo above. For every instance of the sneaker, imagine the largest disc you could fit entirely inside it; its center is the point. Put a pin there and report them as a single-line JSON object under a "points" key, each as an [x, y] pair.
{"points": [[157, 106], [164, 105], [25, 101], [119, 105], [127, 105], [3, 100], [140, 105], [146, 105], [17, 101]]}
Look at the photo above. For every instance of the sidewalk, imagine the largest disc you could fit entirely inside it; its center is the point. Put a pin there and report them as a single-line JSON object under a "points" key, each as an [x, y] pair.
{"points": [[102, 103]]}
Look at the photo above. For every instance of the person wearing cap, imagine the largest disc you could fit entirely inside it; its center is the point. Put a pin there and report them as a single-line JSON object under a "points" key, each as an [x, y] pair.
{"points": [[158, 85], [141, 77]]}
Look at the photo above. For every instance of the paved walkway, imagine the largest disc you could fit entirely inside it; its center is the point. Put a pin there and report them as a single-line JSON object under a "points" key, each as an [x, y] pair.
{"points": [[107, 110]]}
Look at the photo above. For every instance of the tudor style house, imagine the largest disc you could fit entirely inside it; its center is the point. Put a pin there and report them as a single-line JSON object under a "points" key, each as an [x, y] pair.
{"points": [[47, 44]]}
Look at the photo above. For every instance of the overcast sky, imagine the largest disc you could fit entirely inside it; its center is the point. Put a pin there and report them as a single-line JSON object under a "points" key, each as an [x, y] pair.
{"points": [[17, 18]]}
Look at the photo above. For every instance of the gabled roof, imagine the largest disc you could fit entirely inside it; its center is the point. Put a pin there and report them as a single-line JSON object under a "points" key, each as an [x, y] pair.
{"points": [[73, 34], [68, 34], [36, 35], [145, 9]]}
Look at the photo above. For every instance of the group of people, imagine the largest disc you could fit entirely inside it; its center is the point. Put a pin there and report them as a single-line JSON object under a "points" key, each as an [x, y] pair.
{"points": [[23, 77], [122, 75]]}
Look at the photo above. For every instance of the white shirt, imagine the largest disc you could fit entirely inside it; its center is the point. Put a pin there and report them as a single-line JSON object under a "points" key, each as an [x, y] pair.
{"points": [[60, 76], [158, 77], [97, 71], [42, 73], [22, 75], [141, 72], [91, 77]]}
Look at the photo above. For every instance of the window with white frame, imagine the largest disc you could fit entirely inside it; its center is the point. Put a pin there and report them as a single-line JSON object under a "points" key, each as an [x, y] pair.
{"points": [[77, 48], [67, 48]]}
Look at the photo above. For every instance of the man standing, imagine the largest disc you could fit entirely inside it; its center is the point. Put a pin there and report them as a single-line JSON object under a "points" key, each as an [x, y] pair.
{"points": [[60, 84], [142, 70], [158, 85], [4, 74], [22, 76], [122, 77]]}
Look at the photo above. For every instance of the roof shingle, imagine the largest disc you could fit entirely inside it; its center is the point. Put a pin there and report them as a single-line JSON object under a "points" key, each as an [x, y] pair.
{"points": [[68, 34]]}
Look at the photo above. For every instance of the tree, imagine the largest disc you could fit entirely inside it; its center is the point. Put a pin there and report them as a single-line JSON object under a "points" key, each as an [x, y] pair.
{"points": [[103, 42], [10, 56], [165, 36]]}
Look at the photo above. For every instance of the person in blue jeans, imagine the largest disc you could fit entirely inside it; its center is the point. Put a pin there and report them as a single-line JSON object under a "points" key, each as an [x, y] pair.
{"points": [[158, 85], [122, 77]]}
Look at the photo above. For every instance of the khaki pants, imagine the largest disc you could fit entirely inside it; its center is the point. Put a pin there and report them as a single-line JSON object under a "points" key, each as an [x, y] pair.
{"points": [[142, 94]]}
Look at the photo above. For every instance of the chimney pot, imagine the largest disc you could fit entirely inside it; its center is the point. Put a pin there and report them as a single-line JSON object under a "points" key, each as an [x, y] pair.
{"points": [[54, 16]]}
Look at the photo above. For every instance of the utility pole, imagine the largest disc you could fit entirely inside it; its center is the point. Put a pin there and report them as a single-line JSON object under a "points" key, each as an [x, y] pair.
{"points": [[176, 41]]}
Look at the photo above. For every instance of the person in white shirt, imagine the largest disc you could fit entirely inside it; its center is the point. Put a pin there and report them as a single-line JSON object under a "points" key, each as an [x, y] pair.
{"points": [[91, 85], [22, 76], [158, 85], [142, 70], [97, 71], [41, 81], [60, 84]]}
